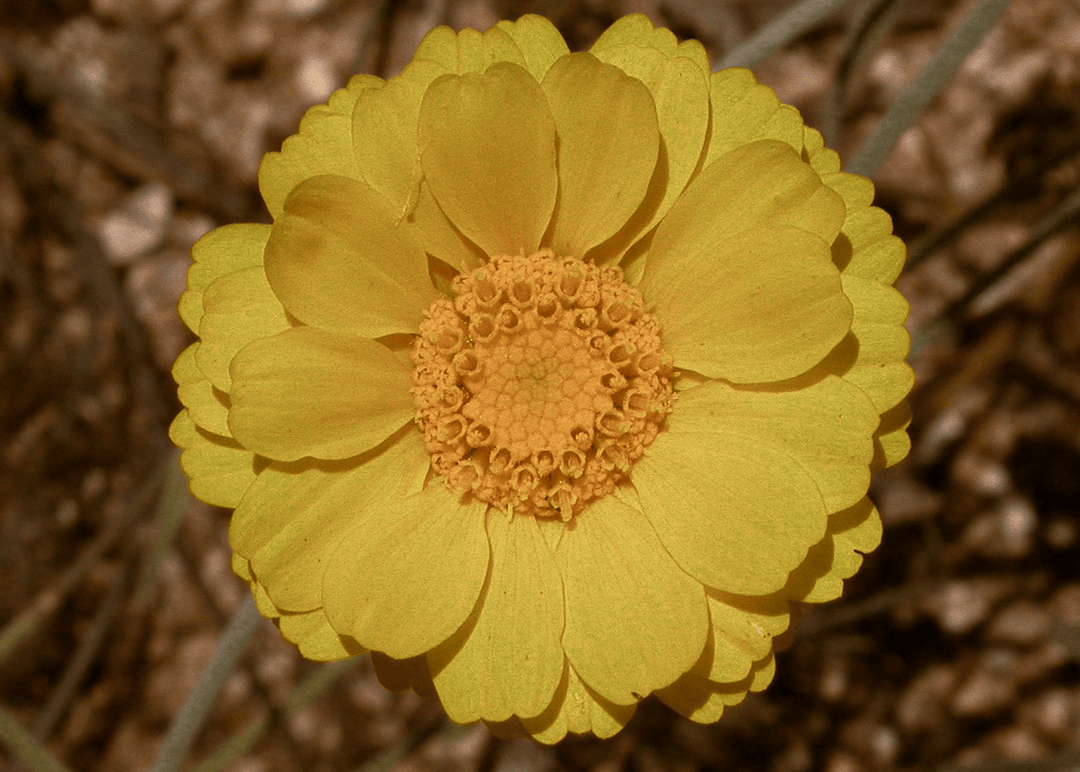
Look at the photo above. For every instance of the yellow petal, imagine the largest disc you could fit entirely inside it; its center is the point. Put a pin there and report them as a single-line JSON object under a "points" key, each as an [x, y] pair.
{"points": [[508, 659], [238, 308], [827, 427], [438, 235], [468, 50], [241, 567], [875, 253], [742, 633], [634, 621], [857, 191], [337, 261], [608, 145], [760, 185], [702, 700], [406, 577], [866, 246], [262, 601], [219, 471], [577, 709], [384, 124], [895, 446], [637, 30], [676, 75], [223, 250], [292, 517], [538, 40], [892, 443], [743, 111], [322, 145], [851, 534], [305, 392], [878, 324], [488, 152], [208, 407], [735, 514], [680, 91], [315, 638], [385, 146], [739, 270], [399, 675], [758, 307], [762, 674], [824, 160]]}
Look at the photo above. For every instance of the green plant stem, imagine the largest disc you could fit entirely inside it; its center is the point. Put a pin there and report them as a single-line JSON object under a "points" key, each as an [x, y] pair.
{"points": [[915, 98], [241, 742], [788, 26], [25, 748], [170, 515], [870, 24], [187, 723], [85, 656], [50, 599]]}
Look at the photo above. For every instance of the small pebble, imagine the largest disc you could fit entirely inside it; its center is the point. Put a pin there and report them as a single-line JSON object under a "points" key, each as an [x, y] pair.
{"points": [[137, 225], [1023, 623], [960, 606]]}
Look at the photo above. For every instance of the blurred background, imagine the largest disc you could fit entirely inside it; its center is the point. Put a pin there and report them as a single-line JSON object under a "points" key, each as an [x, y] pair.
{"points": [[128, 128]]}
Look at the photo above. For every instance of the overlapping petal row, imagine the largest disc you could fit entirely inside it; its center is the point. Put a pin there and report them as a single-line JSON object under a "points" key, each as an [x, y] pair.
{"points": [[767, 267]]}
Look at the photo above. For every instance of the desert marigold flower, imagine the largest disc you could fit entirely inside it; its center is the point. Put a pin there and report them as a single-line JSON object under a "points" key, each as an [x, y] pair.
{"points": [[556, 379]]}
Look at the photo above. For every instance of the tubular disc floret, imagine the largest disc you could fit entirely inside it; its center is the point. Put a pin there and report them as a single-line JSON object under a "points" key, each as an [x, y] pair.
{"points": [[540, 384]]}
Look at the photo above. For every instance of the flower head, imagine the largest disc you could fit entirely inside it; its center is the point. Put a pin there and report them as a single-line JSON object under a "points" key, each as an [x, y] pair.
{"points": [[556, 379]]}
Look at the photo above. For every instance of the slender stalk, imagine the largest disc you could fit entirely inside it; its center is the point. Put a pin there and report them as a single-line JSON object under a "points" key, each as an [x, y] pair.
{"points": [[915, 98], [85, 655], [187, 723], [929, 245], [786, 27], [50, 599], [241, 742], [170, 515], [865, 32], [25, 747]]}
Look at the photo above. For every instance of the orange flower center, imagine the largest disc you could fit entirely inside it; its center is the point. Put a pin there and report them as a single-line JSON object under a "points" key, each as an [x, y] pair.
{"points": [[540, 384]]}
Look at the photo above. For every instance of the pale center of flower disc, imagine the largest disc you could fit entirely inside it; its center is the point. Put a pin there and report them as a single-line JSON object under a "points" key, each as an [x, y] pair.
{"points": [[540, 384]]}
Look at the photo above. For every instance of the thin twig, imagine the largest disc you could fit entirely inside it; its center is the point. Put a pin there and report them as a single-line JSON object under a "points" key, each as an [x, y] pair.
{"points": [[927, 246], [1060, 762], [241, 742], [1065, 214], [153, 156], [85, 655], [170, 515], [49, 600]]}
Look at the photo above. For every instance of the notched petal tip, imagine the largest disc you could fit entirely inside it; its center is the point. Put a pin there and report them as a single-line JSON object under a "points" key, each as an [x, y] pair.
{"points": [[338, 260], [609, 141], [409, 574], [305, 392], [487, 147], [634, 620]]}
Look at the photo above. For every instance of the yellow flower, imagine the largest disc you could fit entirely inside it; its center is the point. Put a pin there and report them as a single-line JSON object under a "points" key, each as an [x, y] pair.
{"points": [[556, 378]]}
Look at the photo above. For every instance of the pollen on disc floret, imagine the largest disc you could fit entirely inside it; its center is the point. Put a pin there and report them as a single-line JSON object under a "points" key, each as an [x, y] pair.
{"points": [[540, 384]]}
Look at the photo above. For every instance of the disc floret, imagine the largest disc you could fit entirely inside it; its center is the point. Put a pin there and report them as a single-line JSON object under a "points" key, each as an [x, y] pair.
{"points": [[540, 384]]}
